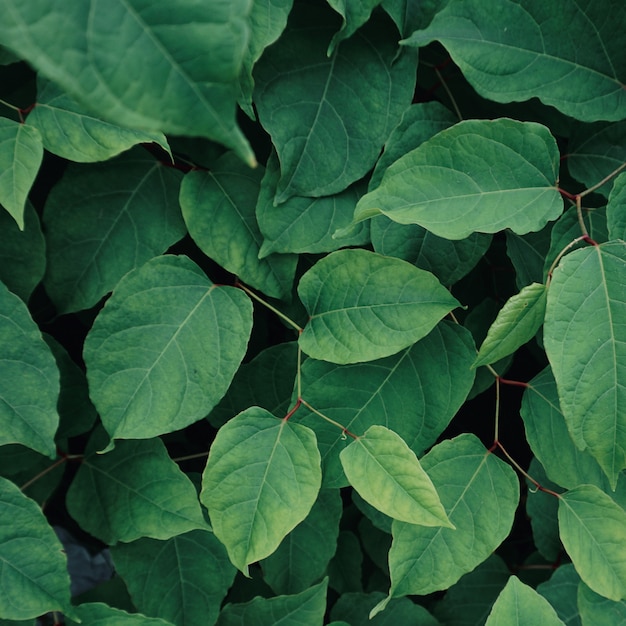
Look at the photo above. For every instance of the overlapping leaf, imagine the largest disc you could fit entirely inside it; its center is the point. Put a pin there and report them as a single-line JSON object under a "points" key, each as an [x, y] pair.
{"points": [[354, 15], [261, 480], [561, 591], [164, 349], [364, 306], [478, 176], [616, 209], [597, 610], [105, 615]]}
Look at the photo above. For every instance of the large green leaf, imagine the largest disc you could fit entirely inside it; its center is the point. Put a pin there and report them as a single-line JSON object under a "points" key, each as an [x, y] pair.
{"points": [[219, 210], [124, 60], [478, 176], [589, 359], [182, 580], [261, 480], [480, 494], [104, 220], [21, 153], [164, 349], [72, 132], [134, 491], [593, 531], [101, 614], [29, 384], [387, 474], [516, 51], [365, 306], [518, 604], [598, 611], [328, 120], [415, 393], [34, 568]]}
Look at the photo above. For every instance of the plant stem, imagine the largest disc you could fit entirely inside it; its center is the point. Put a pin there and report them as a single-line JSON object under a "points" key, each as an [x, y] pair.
{"points": [[445, 86], [189, 457], [615, 172], [41, 474], [268, 306], [579, 214], [497, 412], [11, 106], [563, 252], [328, 419]]}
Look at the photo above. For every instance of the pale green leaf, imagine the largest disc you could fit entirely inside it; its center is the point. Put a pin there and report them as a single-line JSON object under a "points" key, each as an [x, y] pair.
{"points": [[560, 591], [219, 210], [387, 474], [616, 209], [589, 359], [593, 531], [520, 50], [100, 614], [480, 494], [34, 568], [146, 353], [182, 580], [364, 306], [519, 604], [327, 118], [29, 385], [124, 60], [21, 153], [477, 176], [104, 220], [517, 323], [261, 480], [134, 491], [354, 14], [596, 610]]}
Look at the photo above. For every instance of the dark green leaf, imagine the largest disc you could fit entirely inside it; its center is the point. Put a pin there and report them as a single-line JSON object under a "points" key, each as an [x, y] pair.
{"points": [[528, 253], [599, 611], [616, 209], [561, 591], [346, 567], [100, 614], [354, 15]]}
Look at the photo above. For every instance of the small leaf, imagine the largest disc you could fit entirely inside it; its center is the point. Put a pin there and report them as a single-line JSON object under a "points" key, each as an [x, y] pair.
{"points": [[21, 153], [146, 353], [364, 306], [616, 209], [388, 475], [593, 531], [517, 323], [34, 570], [261, 480], [520, 604], [478, 176]]}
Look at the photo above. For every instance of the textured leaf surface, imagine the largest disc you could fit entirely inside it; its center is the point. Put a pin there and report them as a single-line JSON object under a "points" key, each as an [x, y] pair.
{"points": [[480, 494], [166, 87], [528, 254], [219, 210], [354, 14], [364, 306], [101, 614], [146, 353], [478, 176], [560, 591], [29, 385], [134, 491], [522, 605], [589, 360], [579, 70], [304, 98], [104, 220], [182, 580], [34, 574], [261, 480], [387, 474], [599, 611], [593, 531], [21, 153], [616, 209]]}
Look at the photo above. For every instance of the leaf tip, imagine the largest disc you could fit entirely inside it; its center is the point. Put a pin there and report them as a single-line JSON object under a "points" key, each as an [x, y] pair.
{"points": [[380, 607]]}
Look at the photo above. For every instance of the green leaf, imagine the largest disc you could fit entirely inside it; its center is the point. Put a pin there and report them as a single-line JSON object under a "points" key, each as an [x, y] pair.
{"points": [[414, 393], [588, 360], [302, 609], [72, 132], [21, 153], [165, 86], [219, 210], [303, 555], [182, 580], [22, 253], [616, 209], [528, 253], [104, 220], [354, 14], [346, 567], [520, 604], [599, 611], [387, 474], [305, 224], [29, 385], [261, 480], [581, 75], [478, 176], [364, 306], [146, 353], [134, 491], [304, 98], [480, 494], [100, 614], [34, 567], [517, 323], [561, 591], [593, 531]]}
